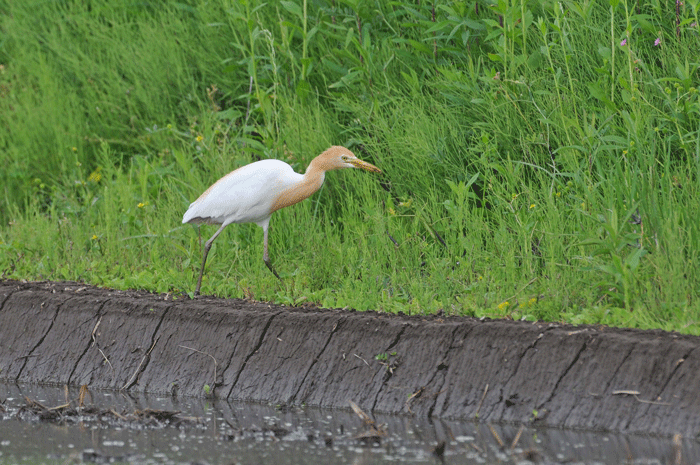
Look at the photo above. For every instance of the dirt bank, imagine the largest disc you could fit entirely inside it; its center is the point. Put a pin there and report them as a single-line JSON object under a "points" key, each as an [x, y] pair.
{"points": [[458, 368]]}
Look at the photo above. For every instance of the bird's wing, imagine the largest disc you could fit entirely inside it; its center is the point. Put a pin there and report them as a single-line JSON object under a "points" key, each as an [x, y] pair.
{"points": [[244, 195]]}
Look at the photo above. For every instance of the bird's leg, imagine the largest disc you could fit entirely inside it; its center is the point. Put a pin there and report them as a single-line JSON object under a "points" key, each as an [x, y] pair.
{"points": [[207, 246], [266, 256]]}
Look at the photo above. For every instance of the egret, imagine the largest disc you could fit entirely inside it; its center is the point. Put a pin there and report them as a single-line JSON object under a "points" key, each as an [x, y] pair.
{"points": [[252, 193]]}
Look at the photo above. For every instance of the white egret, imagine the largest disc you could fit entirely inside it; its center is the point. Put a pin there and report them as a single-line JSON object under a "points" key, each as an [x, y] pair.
{"points": [[252, 193]]}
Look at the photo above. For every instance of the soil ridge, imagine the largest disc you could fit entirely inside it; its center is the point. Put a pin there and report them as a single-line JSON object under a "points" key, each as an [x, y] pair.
{"points": [[595, 378]]}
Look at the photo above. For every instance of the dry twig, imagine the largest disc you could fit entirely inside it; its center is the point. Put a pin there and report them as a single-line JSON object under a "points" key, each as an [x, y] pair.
{"points": [[496, 436], [361, 359], [483, 396], [94, 343], [517, 437], [208, 355], [635, 394], [138, 368]]}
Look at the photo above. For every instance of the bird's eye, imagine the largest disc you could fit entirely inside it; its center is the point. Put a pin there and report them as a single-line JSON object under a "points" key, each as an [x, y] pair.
{"points": [[344, 157]]}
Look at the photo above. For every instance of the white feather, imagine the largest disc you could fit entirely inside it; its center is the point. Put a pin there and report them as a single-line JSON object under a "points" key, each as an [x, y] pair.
{"points": [[236, 198]]}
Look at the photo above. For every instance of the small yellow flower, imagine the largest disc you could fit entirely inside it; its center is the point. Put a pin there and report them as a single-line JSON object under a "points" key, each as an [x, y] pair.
{"points": [[95, 176], [75, 149], [503, 305], [532, 302], [480, 278], [141, 205], [558, 194], [94, 237], [532, 205], [392, 212], [200, 138]]}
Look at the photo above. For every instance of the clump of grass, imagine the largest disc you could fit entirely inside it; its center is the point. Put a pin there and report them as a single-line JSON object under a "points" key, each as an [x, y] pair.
{"points": [[540, 160]]}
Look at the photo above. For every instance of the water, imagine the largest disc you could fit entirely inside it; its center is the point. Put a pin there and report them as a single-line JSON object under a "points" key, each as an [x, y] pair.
{"points": [[213, 432]]}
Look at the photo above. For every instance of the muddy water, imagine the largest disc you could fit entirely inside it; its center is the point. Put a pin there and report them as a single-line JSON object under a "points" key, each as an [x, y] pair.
{"points": [[228, 433]]}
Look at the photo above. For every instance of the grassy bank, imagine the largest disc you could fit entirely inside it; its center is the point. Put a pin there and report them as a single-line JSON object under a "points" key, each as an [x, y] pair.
{"points": [[540, 159]]}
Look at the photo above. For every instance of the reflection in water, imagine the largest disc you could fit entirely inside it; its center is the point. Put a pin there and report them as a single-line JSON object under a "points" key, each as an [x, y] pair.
{"points": [[253, 434]]}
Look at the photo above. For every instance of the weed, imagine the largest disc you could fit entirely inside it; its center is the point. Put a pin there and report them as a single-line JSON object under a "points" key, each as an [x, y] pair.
{"points": [[544, 151]]}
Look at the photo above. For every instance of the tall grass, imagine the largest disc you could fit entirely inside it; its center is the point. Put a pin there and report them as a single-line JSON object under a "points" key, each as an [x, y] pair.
{"points": [[540, 159]]}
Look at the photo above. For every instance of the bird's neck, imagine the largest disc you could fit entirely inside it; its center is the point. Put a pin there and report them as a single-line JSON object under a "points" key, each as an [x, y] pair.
{"points": [[312, 180], [315, 173], [309, 183]]}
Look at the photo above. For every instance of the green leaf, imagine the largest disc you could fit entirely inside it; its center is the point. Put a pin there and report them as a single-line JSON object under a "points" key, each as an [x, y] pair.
{"points": [[346, 80], [303, 89], [293, 8], [634, 258]]}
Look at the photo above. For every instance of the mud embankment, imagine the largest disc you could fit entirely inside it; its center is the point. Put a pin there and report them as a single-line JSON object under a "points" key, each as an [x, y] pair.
{"points": [[458, 368]]}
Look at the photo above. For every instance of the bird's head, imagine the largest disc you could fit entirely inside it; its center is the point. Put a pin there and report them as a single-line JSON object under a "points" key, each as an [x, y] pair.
{"points": [[338, 157]]}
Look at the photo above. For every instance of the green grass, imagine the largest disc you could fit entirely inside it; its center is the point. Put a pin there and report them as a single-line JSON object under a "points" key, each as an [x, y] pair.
{"points": [[540, 160]]}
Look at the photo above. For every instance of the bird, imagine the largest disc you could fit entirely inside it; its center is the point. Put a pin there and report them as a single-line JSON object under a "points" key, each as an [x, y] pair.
{"points": [[253, 192]]}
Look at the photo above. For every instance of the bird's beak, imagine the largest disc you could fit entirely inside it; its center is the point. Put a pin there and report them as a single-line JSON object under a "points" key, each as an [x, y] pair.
{"points": [[357, 163]]}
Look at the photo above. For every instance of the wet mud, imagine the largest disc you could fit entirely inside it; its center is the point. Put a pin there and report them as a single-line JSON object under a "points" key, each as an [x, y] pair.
{"points": [[593, 378], [79, 412], [207, 431]]}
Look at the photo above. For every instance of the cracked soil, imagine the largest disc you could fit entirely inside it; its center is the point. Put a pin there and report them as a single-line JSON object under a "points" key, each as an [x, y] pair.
{"points": [[595, 378]]}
